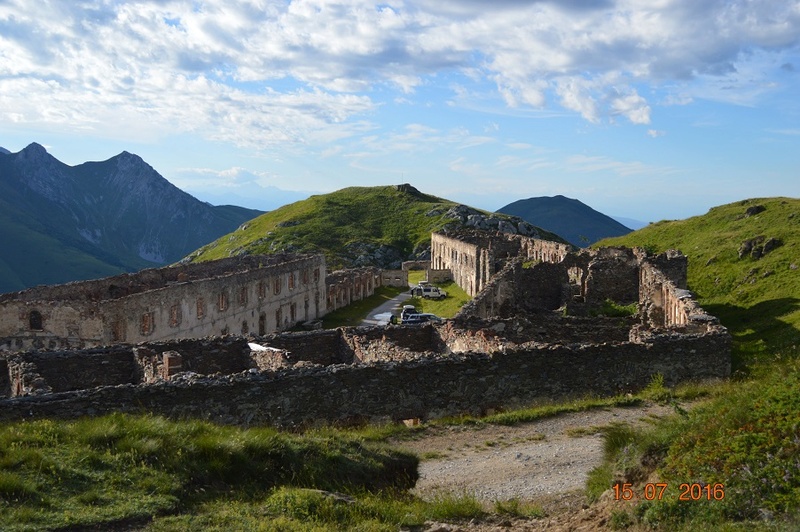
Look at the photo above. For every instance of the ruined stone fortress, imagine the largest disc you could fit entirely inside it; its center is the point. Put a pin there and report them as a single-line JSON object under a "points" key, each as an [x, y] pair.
{"points": [[204, 340]]}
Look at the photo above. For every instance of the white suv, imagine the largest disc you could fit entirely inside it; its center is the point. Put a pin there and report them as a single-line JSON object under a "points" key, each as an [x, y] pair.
{"points": [[427, 291]]}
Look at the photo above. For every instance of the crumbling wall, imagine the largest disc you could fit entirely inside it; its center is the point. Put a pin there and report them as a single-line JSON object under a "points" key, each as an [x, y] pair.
{"points": [[470, 269], [519, 287], [496, 298], [246, 295], [663, 298], [612, 274], [205, 356], [392, 343], [473, 256], [536, 327], [49, 325], [5, 382], [346, 286], [61, 371], [543, 250], [323, 347], [426, 387], [256, 301]]}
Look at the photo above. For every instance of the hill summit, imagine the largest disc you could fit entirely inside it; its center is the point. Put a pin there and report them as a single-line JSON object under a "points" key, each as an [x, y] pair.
{"points": [[63, 223], [577, 222], [362, 226]]}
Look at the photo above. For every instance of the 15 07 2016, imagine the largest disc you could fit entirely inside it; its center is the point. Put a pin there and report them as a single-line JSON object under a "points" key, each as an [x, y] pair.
{"points": [[655, 491]]}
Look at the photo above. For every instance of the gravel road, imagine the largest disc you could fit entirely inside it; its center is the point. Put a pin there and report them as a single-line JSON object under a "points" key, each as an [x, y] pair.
{"points": [[532, 461]]}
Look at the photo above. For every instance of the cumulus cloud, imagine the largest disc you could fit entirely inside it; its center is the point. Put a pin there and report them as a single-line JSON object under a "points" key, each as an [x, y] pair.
{"points": [[262, 72]]}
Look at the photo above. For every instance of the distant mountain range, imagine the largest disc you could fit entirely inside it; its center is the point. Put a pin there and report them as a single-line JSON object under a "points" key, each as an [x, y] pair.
{"points": [[61, 223], [573, 220]]}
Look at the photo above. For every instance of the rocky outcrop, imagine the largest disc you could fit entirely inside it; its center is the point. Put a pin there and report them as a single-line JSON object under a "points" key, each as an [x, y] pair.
{"points": [[758, 247], [464, 217]]}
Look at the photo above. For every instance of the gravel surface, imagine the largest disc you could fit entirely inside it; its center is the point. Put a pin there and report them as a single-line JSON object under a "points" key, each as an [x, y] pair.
{"points": [[531, 461]]}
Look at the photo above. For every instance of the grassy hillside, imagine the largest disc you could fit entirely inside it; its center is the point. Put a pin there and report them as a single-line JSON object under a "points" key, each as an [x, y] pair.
{"points": [[745, 442], [340, 223], [758, 299]]}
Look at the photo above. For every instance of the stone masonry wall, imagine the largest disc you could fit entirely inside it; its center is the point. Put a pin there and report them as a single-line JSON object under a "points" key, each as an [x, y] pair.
{"points": [[346, 286], [663, 298], [426, 387], [393, 343], [254, 294], [324, 347], [60, 371]]}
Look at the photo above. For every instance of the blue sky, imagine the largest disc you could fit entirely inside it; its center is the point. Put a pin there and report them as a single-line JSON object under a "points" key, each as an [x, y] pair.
{"points": [[645, 109]]}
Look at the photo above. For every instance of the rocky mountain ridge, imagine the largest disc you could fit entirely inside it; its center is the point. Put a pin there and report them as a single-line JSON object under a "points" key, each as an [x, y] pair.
{"points": [[97, 218]]}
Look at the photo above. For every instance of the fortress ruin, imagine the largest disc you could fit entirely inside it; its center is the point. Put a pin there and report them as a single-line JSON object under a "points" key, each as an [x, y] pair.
{"points": [[534, 330]]}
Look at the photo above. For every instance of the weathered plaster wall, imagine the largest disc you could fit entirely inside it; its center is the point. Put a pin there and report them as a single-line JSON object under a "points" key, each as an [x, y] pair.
{"points": [[252, 294], [470, 270], [474, 257], [397, 278], [256, 301]]}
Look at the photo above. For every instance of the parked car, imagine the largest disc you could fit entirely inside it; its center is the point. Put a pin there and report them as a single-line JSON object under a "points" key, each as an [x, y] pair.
{"points": [[407, 311], [413, 319], [428, 291]]}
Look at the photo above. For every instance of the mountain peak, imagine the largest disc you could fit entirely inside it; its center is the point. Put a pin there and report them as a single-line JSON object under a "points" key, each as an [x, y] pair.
{"points": [[129, 158], [4, 151], [567, 217], [36, 154], [34, 148]]}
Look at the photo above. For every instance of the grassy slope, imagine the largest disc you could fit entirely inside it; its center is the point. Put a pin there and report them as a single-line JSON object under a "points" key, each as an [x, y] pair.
{"points": [[328, 222], [758, 300], [747, 440]]}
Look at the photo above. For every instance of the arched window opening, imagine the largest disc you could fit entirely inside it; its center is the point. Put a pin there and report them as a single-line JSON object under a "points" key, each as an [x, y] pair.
{"points": [[35, 321]]}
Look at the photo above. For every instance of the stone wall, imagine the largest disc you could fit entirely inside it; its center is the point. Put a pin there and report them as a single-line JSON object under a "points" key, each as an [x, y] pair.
{"points": [[505, 348], [252, 294], [323, 347], [398, 278], [428, 386], [52, 372], [346, 286], [664, 299], [393, 343], [470, 268], [473, 257]]}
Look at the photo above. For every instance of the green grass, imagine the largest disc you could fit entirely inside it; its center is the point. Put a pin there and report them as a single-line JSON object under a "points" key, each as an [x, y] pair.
{"points": [[746, 436], [758, 300], [289, 509], [444, 308], [329, 223], [124, 468]]}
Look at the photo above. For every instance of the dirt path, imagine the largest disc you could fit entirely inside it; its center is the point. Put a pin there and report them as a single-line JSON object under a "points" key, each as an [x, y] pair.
{"points": [[546, 462]]}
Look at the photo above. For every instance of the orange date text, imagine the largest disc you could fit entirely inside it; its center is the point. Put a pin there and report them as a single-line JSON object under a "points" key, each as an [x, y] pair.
{"points": [[658, 490]]}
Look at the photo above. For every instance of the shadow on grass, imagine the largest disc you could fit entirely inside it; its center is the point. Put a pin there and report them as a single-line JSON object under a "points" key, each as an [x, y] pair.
{"points": [[761, 333]]}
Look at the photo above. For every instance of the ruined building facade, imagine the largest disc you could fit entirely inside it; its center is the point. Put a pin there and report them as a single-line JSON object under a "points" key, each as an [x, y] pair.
{"points": [[242, 295], [532, 332], [475, 256]]}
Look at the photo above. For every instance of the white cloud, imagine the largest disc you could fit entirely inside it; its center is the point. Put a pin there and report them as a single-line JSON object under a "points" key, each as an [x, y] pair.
{"points": [[263, 72]]}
